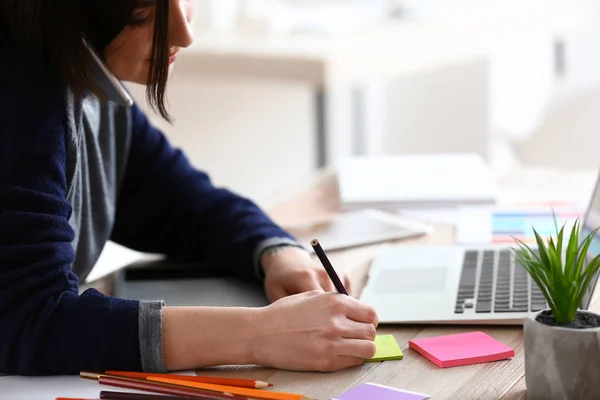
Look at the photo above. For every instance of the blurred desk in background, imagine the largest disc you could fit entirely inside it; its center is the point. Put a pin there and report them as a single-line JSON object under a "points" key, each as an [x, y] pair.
{"points": [[348, 73]]}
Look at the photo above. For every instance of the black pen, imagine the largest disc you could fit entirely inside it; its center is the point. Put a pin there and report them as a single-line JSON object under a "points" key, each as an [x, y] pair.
{"points": [[328, 267]]}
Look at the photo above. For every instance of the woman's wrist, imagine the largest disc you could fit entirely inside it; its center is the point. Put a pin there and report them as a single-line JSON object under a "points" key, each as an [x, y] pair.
{"points": [[196, 337], [277, 255]]}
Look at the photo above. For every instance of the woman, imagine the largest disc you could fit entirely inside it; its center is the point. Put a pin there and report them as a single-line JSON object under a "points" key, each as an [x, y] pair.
{"points": [[77, 169]]}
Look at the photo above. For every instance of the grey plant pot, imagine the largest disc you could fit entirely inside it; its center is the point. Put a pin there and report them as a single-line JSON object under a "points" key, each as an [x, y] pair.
{"points": [[561, 363]]}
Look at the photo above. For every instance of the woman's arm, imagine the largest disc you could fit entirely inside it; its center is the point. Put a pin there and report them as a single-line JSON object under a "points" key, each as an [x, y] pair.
{"points": [[46, 327], [167, 206], [312, 331]]}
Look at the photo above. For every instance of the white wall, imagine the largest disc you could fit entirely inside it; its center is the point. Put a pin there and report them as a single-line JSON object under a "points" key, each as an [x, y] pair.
{"points": [[565, 132], [583, 48]]}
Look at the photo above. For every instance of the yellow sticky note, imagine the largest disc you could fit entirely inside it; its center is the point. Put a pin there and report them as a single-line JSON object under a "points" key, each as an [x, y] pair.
{"points": [[387, 349]]}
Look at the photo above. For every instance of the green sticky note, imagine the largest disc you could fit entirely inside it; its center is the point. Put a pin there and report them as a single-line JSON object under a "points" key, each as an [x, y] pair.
{"points": [[387, 349]]}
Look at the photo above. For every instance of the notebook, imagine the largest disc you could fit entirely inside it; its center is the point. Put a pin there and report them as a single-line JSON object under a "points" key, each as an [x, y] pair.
{"points": [[394, 182]]}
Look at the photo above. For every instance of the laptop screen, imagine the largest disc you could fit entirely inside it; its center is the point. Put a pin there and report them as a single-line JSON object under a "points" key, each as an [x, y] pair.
{"points": [[591, 222]]}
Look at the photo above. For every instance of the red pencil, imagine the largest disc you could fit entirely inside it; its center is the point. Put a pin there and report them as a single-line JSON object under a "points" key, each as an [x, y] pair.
{"points": [[164, 389], [72, 398], [246, 383]]}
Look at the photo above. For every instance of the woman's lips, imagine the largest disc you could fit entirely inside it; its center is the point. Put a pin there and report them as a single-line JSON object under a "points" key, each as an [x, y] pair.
{"points": [[172, 58]]}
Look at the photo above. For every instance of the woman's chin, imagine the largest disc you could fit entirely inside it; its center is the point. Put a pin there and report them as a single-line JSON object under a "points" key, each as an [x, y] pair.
{"points": [[140, 78]]}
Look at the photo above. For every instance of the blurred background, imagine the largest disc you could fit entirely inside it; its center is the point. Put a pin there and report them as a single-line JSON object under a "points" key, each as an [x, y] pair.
{"points": [[273, 90]]}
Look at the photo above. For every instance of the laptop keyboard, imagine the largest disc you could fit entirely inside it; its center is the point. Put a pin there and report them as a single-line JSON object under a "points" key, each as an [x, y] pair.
{"points": [[502, 286]]}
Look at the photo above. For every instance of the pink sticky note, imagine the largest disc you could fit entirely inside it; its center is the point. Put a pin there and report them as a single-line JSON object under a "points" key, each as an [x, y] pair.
{"points": [[461, 349]]}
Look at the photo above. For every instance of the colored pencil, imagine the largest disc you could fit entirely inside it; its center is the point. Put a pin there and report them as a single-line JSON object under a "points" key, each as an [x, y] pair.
{"points": [[106, 395], [252, 393], [72, 398], [328, 267], [247, 383], [166, 389], [157, 387], [176, 390]]}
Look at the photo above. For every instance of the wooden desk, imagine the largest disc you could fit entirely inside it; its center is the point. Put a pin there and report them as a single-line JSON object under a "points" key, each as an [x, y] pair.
{"points": [[499, 380]]}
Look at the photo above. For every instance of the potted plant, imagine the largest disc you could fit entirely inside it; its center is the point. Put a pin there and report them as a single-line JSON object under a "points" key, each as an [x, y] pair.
{"points": [[562, 343]]}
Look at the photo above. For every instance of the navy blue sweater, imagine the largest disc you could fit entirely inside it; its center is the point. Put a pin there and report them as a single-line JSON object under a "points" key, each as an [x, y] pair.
{"points": [[164, 206]]}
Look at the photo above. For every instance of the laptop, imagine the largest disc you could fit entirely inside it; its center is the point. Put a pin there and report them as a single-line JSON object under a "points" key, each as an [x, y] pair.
{"points": [[461, 285]]}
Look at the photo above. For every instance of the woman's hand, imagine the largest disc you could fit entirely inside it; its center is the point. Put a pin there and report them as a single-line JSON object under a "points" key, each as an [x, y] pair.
{"points": [[290, 270], [314, 331]]}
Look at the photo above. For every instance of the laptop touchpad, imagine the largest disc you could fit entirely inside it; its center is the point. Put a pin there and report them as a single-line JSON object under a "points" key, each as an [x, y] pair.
{"points": [[421, 280]]}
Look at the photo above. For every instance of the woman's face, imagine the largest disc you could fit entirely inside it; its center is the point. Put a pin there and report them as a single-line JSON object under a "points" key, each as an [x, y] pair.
{"points": [[128, 55]]}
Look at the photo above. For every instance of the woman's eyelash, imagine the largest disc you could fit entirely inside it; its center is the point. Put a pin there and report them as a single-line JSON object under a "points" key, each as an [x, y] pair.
{"points": [[137, 23]]}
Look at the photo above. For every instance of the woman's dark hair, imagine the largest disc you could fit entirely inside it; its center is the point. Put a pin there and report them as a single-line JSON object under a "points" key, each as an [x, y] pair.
{"points": [[54, 34]]}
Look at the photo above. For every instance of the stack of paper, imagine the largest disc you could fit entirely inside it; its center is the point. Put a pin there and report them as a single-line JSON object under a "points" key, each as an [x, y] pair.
{"points": [[415, 181]]}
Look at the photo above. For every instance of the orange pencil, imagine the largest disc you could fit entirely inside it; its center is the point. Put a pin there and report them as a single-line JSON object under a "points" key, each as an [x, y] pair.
{"points": [[252, 393], [245, 383]]}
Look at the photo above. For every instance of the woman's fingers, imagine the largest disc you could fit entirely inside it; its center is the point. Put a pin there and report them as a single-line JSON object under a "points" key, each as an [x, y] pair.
{"points": [[326, 283], [356, 348], [358, 311], [356, 330]]}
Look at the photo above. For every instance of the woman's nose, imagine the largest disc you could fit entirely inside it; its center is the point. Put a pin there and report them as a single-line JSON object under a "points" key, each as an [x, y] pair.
{"points": [[180, 34]]}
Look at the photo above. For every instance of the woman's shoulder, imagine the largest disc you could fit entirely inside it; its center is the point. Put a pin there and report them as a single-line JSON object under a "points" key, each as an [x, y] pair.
{"points": [[32, 104], [22, 73]]}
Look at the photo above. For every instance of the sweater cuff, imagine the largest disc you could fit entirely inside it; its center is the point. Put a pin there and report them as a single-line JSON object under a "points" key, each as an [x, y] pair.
{"points": [[150, 334], [269, 244]]}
